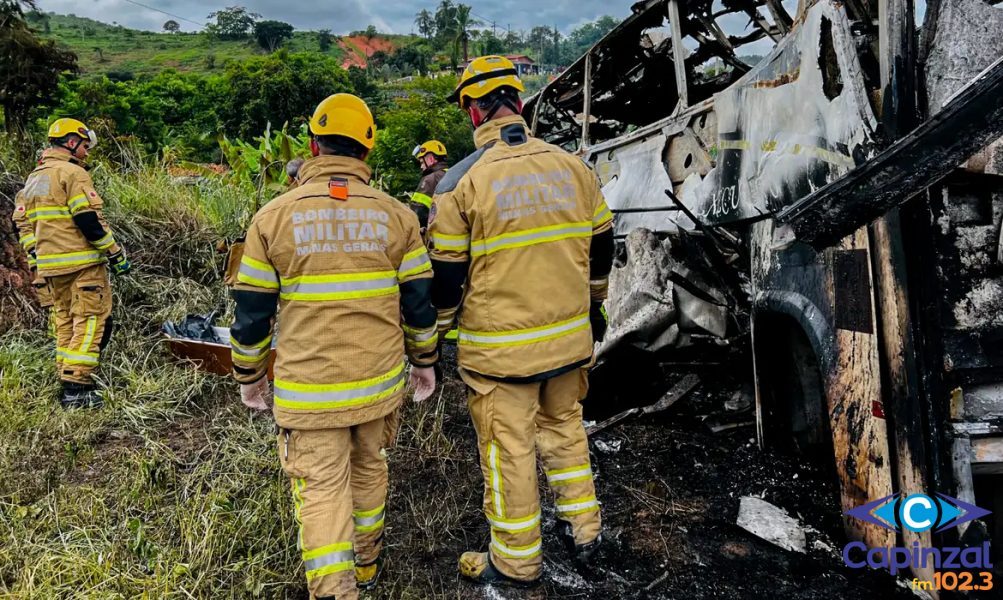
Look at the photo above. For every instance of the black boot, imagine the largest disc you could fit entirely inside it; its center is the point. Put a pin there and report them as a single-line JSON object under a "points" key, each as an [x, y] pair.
{"points": [[78, 395], [582, 553]]}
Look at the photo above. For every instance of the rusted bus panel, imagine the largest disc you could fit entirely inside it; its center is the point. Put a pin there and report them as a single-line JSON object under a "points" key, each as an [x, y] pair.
{"points": [[987, 456], [897, 346], [908, 435], [859, 429], [829, 295]]}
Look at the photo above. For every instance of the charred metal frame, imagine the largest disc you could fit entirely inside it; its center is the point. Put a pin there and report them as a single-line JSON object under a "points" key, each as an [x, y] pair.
{"points": [[862, 290], [557, 111]]}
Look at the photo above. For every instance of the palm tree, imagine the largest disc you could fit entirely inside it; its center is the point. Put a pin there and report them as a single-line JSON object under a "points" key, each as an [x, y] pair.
{"points": [[464, 23], [426, 23]]}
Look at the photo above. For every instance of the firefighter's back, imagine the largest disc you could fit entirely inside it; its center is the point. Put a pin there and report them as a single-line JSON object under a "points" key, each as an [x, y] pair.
{"points": [[530, 208], [335, 244], [55, 191]]}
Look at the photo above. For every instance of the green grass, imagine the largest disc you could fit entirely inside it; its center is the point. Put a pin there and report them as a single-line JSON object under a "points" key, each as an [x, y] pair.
{"points": [[173, 490], [142, 52], [169, 489]]}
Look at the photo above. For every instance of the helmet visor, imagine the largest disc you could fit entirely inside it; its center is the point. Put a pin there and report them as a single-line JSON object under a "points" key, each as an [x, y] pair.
{"points": [[92, 139], [416, 152]]}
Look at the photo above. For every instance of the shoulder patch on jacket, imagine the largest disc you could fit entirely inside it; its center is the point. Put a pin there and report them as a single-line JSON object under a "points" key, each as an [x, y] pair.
{"points": [[455, 173]]}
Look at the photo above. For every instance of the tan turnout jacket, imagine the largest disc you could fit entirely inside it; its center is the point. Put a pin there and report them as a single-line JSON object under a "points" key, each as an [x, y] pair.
{"points": [[336, 251], [55, 191], [523, 213]]}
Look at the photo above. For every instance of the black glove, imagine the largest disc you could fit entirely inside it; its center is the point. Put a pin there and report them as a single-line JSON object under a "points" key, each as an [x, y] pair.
{"points": [[597, 317], [120, 265]]}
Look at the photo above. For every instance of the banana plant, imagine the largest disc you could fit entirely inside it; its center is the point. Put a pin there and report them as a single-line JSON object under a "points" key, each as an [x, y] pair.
{"points": [[262, 163]]}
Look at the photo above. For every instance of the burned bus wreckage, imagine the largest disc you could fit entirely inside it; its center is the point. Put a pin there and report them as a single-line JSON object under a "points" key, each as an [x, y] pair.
{"points": [[838, 202]]}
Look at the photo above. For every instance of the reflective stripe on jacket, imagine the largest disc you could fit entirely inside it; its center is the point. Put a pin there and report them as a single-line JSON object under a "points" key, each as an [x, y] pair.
{"points": [[342, 269], [56, 191], [522, 214]]}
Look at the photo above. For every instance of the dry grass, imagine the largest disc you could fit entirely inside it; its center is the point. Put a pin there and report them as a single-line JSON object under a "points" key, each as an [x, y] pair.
{"points": [[173, 490]]}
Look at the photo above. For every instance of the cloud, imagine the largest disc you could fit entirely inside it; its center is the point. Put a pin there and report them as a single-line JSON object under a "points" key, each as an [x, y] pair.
{"points": [[341, 16]]}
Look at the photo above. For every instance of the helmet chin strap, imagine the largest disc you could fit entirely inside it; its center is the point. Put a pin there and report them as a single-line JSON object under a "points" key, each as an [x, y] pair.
{"points": [[71, 149], [477, 120]]}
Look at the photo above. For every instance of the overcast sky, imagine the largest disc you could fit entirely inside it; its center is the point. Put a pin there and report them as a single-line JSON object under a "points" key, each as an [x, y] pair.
{"points": [[396, 16], [341, 16]]}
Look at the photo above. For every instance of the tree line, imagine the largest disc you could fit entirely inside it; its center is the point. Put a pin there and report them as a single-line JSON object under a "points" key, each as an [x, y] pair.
{"points": [[453, 27], [186, 114], [450, 30]]}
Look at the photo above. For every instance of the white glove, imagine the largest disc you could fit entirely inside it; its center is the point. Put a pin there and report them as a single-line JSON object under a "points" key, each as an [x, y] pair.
{"points": [[257, 395], [422, 379]]}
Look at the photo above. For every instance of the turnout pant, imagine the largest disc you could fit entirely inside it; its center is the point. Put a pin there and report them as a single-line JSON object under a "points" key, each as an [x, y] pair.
{"points": [[339, 484], [81, 313], [513, 421]]}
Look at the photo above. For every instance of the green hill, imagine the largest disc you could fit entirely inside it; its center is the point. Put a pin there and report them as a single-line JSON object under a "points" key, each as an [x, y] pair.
{"points": [[110, 49]]}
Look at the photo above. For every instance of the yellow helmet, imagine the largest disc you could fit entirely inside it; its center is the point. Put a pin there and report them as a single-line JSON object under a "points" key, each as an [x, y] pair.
{"points": [[430, 147], [346, 115], [484, 75], [64, 127]]}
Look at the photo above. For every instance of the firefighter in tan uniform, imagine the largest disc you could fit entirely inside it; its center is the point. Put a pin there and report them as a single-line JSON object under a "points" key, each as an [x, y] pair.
{"points": [[523, 225], [348, 268], [70, 247], [431, 156]]}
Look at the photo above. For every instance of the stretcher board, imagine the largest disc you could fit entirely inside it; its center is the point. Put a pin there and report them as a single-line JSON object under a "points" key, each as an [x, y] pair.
{"points": [[212, 357]]}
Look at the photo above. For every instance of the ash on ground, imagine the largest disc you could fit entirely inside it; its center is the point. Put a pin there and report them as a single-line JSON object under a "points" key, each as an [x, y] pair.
{"points": [[670, 490]]}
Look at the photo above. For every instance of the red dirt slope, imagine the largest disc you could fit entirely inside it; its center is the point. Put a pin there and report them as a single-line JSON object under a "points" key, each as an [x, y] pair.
{"points": [[358, 49]]}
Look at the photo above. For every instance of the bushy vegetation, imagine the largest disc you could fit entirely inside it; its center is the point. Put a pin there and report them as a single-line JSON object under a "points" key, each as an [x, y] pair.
{"points": [[417, 114], [179, 100], [135, 52], [173, 490], [188, 111]]}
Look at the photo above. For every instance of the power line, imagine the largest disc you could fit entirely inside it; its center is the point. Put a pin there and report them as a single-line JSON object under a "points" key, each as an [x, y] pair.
{"points": [[165, 12]]}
